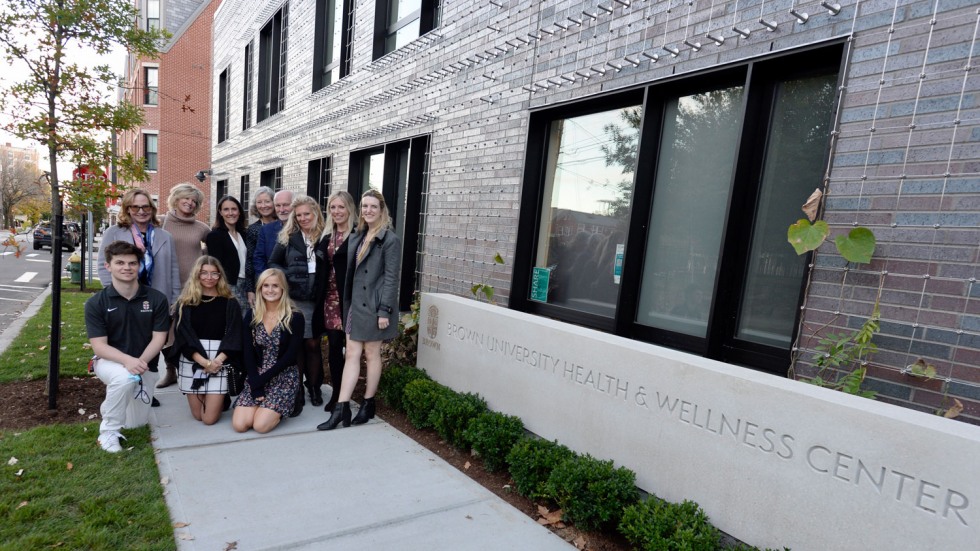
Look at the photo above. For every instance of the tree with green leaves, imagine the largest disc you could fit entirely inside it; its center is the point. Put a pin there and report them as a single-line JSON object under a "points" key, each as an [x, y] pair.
{"points": [[66, 107]]}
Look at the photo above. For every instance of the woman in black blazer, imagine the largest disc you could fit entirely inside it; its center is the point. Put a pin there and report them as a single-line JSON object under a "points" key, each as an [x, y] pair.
{"points": [[226, 242], [330, 294], [370, 305]]}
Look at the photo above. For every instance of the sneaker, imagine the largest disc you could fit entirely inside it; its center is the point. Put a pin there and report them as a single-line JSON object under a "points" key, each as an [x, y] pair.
{"points": [[110, 441]]}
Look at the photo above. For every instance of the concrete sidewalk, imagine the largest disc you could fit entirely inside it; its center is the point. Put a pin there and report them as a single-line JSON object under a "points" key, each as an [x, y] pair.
{"points": [[298, 488]]}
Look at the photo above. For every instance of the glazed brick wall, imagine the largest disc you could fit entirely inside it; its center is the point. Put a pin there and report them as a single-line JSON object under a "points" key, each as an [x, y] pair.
{"points": [[906, 147]]}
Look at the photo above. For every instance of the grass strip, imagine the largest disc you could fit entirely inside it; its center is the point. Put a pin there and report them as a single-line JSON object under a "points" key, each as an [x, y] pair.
{"points": [[72, 495], [26, 359]]}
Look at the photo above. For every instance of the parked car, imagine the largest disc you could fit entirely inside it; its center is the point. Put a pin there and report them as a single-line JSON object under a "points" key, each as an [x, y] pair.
{"points": [[42, 237]]}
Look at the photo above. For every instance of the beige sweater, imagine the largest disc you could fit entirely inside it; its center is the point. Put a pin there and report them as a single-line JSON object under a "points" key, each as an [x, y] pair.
{"points": [[188, 234]]}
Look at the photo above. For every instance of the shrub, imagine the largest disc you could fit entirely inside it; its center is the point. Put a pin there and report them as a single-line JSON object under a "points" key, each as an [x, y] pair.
{"points": [[531, 461], [393, 383], [492, 435], [403, 349], [420, 397], [656, 524], [452, 415], [590, 492]]}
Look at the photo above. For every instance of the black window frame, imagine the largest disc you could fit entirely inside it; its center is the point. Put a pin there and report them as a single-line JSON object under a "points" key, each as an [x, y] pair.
{"points": [[318, 180], [271, 178], [325, 24], [248, 71], [151, 159], [151, 94], [273, 42], [758, 77], [223, 92], [221, 188], [243, 191], [428, 16]]}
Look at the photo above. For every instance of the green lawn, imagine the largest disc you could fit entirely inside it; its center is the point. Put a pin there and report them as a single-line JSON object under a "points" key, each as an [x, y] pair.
{"points": [[27, 357], [72, 495]]}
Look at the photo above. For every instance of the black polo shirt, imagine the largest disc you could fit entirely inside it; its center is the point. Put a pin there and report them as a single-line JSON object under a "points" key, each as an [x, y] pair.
{"points": [[128, 324]]}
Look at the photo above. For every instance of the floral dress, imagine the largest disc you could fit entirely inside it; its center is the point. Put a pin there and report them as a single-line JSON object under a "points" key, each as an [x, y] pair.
{"points": [[331, 305], [280, 391]]}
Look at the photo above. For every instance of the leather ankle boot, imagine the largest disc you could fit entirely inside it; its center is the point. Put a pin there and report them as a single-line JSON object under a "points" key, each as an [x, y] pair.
{"points": [[365, 413], [316, 397], [341, 414], [298, 403]]}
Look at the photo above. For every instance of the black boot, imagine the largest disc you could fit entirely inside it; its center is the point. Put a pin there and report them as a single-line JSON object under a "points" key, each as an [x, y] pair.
{"points": [[365, 413], [299, 403], [316, 397], [341, 413]]}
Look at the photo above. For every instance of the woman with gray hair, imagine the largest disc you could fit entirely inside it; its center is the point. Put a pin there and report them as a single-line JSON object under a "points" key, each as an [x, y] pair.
{"points": [[264, 211], [185, 202]]}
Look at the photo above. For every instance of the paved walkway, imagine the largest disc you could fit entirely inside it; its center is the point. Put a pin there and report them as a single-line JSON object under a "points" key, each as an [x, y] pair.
{"points": [[368, 487]]}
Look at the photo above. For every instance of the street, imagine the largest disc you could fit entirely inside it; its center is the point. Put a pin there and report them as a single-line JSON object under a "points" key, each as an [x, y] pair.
{"points": [[22, 279]]}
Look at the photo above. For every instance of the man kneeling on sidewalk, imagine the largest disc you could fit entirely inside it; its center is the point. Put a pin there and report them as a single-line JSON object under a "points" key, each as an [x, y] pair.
{"points": [[127, 325]]}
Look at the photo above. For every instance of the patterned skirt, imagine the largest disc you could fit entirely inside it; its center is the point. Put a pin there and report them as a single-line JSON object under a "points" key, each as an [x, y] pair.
{"points": [[191, 381]]}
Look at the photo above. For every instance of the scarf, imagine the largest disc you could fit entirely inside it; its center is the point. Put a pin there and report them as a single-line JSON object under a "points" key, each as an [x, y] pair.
{"points": [[146, 266]]}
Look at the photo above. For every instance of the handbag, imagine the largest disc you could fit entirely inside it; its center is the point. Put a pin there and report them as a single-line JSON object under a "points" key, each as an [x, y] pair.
{"points": [[236, 379]]}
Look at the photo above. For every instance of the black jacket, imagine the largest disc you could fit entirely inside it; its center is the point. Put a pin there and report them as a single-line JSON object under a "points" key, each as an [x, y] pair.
{"points": [[291, 259], [221, 246]]}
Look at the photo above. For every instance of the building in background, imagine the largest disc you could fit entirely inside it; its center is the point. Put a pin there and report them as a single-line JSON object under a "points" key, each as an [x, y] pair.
{"points": [[637, 163], [174, 90], [23, 196]]}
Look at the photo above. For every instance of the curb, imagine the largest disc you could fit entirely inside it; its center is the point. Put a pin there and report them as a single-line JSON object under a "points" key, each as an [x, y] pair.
{"points": [[11, 332]]}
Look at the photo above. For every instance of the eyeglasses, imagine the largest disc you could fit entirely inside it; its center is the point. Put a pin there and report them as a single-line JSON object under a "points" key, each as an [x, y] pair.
{"points": [[210, 275], [141, 208]]}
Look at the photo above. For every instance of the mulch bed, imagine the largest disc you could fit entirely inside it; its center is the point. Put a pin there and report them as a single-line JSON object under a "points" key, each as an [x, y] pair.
{"points": [[24, 405]]}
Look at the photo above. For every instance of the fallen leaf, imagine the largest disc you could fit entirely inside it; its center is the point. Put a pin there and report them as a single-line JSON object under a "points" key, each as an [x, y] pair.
{"points": [[21, 504], [185, 536], [12, 461], [86, 345], [579, 542], [20, 472], [92, 416], [42, 347], [181, 524], [812, 204], [466, 465], [70, 466], [81, 411], [955, 410], [231, 545], [549, 517], [165, 480]]}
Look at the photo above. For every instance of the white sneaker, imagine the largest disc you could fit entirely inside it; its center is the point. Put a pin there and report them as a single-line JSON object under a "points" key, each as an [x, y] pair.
{"points": [[110, 441]]}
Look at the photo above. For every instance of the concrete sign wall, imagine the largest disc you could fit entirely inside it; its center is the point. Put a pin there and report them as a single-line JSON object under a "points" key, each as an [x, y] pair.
{"points": [[773, 462]]}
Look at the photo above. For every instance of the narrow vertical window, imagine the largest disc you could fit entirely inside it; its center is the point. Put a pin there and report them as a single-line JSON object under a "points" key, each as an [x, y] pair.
{"points": [[248, 74], [152, 14], [150, 151], [272, 65], [151, 85], [223, 106], [331, 53], [221, 188], [318, 181], [244, 191]]}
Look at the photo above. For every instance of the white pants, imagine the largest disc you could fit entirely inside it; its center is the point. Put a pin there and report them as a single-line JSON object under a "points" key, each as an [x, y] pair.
{"points": [[125, 406]]}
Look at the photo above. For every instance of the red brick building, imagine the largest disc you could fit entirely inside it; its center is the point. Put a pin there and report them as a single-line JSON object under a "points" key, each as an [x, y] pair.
{"points": [[174, 90]]}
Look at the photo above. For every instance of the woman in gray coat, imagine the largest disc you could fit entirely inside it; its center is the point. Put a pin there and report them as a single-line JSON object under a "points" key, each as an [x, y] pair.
{"points": [[370, 305]]}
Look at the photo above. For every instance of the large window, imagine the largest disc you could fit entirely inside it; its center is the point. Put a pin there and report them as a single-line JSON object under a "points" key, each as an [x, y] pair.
{"points": [[150, 149], [271, 178], [318, 181], [331, 49], [272, 64], [151, 85], [399, 170], [398, 22], [152, 14], [660, 213], [247, 93], [223, 106], [221, 189]]}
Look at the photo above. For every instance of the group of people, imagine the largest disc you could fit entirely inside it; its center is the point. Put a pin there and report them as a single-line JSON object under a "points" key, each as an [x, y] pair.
{"points": [[235, 298]]}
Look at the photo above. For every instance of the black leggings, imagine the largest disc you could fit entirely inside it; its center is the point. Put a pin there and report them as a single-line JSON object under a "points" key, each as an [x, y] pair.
{"points": [[336, 341], [311, 364]]}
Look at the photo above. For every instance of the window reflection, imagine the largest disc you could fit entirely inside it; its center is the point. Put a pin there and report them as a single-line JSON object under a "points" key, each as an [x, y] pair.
{"points": [[589, 189]]}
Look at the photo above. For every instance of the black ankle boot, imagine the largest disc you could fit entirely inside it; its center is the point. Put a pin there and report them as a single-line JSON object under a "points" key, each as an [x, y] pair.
{"points": [[298, 404], [341, 414], [365, 413], [316, 397]]}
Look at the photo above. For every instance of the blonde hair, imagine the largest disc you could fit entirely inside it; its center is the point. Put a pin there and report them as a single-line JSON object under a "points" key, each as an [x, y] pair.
{"points": [[291, 226], [369, 233], [123, 219], [253, 209], [185, 190], [348, 201], [192, 292], [284, 311]]}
